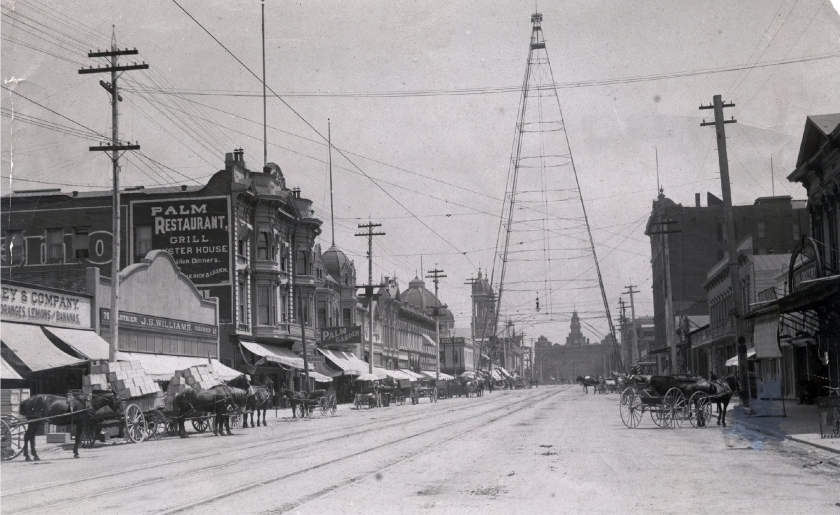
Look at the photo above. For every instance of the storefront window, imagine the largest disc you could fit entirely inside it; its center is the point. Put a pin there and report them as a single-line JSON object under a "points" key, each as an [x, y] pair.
{"points": [[143, 240]]}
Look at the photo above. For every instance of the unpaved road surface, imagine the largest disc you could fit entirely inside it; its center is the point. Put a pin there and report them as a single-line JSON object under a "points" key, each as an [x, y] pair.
{"points": [[545, 450]]}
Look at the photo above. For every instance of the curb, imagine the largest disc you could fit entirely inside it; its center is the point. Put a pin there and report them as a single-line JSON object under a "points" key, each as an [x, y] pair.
{"points": [[784, 437]]}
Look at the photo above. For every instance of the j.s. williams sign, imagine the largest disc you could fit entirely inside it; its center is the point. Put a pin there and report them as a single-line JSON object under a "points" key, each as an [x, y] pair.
{"points": [[194, 230], [159, 323], [339, 335], [44, 307]]}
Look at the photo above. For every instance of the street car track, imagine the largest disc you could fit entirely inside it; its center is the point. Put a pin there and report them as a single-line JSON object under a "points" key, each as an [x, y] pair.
{"points": [[525, 403], [360, 429], [277, 452]]}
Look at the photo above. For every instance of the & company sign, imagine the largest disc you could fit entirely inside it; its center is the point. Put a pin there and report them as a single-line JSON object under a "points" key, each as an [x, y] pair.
{"points": [[39, 306]]}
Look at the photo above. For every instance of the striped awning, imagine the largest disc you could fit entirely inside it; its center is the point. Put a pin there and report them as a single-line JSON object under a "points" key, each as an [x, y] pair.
{"points": [[34, 349], [275, 354], [346, 361], [7, 372], [86, 342]]}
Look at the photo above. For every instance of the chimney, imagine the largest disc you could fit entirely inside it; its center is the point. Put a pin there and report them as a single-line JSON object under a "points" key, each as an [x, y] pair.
{"points": [[183, 187], [696, 200], [75, 193]]}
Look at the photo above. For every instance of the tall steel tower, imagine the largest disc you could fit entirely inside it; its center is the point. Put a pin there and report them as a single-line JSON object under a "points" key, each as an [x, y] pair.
{"points": [[543, 196]]}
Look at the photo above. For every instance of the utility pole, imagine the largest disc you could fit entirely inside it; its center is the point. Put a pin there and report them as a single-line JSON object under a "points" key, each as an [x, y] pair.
{"points": [[265, 104], [635, 350], [622, 321], [436, 275], [731, 240], [116, 147], [370, 286]]}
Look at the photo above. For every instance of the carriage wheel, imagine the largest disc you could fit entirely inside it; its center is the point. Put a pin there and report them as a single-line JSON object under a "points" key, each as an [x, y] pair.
{"points": [[699, 409], [415, 398], [157, 425], [630, 407], [333, 406], [324, 405], [11, 437], [302, 410], [235, 419], [89, 434], [657, 414], [401, 399], [201, 424], [675, 408], [135, 423], [434, 396]]}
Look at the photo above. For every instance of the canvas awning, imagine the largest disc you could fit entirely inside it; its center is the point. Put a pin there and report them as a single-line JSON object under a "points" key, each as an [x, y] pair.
{"points": [[414, 376], [397, 374], [324, 370], [7, 372], [765, 336], [733, 361], [319, 378], [504, 372], [429, 340], [346, 361], [431, 375], [275, 354], [85, 342], [163, 366], [495, 375], [31, 345]]}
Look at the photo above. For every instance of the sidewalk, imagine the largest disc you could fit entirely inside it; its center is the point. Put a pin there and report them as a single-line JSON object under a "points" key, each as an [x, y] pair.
{"points": [[800, 425]]}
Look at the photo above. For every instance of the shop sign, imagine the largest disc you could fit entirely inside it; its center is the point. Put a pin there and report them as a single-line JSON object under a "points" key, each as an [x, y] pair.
{"points": [[128, 319], [452, 341], [340, 335], [196, 231], [805, 264], [45, 307]]}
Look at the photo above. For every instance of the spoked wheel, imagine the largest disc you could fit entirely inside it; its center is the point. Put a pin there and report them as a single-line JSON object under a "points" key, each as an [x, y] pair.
{"points": [[333, 406], [201, 425], [434, 396], [324, 405], [135, 423], [303, 410], [89, 434], [399, 400], [699, 409], [415, 398], [675, 408], [156, 423], [235, 419], [11, 437], [657, 414], [630, 406]]}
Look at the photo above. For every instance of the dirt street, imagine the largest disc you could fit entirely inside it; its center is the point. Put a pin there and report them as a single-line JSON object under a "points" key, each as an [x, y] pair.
{"points": [[545, 450]]}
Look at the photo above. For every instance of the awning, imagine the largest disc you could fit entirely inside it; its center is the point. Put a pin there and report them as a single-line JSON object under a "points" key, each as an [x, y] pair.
{"points": [[765, 334], [324, 370], [7, 372], [319, 378], [814, 293], [495, 375], [87, 343], [414, 376], [275, 354], [429, 340], [31, 345], [733, 361], [441, 375], [504, 372], [381, 373], [396, 374], [346, 361], [163, 366]]}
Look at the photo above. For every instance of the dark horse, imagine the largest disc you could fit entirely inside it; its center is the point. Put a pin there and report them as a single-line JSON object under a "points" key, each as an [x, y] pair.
{"points": [[588, 381], [259, 400], [299, 399], [43, 406], [213, 400], [719, 390]]}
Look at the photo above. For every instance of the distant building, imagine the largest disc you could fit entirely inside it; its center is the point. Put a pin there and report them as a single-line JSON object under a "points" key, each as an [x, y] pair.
{"points": [[578, 357], [686, 241]]}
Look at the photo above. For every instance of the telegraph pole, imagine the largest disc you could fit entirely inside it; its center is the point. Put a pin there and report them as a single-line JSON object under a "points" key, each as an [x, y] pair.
{"points": [[437, 275], [731, 241], [623, 324], [471, 283], [369, 293], [635, 350], [116, 147]]}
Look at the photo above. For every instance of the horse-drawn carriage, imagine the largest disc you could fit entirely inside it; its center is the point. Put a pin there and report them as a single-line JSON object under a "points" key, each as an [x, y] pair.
{"points": [[424, 388], [670, 400], [321, 401]]}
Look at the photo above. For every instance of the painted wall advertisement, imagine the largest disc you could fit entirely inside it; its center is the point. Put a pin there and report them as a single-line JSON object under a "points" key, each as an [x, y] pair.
{"points": [[44, 307], [194, 230]]}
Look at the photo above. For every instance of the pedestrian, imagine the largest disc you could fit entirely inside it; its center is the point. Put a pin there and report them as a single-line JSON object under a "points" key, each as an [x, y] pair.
{"points": [[490, 385]]}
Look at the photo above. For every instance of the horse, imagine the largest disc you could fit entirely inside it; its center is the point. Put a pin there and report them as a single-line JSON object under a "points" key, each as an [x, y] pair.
{"points": [[258, 400], [54, 406], [213, 400], [719, 390], [588, 381], [299, 398]]}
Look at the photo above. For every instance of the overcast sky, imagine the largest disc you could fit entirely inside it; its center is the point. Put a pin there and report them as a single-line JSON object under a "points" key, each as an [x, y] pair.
{"points": [[443, 157]]}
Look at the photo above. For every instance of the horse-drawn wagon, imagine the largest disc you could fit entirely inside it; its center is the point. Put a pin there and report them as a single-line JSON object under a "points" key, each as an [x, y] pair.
{"points": [[670, 400], [424, 388]]}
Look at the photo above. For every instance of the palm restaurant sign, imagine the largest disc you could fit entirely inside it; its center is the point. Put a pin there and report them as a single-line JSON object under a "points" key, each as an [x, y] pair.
{"points": [[194, 230], [44, 307]]}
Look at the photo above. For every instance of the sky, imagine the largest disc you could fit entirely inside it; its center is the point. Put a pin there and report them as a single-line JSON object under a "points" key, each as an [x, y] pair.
{"points": [[431, 167]]}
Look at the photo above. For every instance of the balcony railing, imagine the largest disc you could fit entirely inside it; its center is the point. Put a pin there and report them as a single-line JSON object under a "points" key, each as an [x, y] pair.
{"points": [[725, 330]]}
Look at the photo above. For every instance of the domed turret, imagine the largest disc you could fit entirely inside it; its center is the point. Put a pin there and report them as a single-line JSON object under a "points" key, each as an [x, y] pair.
{"points": [[338, 266]]}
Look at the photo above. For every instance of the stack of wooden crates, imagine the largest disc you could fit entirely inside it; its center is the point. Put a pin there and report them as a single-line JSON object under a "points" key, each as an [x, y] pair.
{"points": [[127, 378], [201, 377]]}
